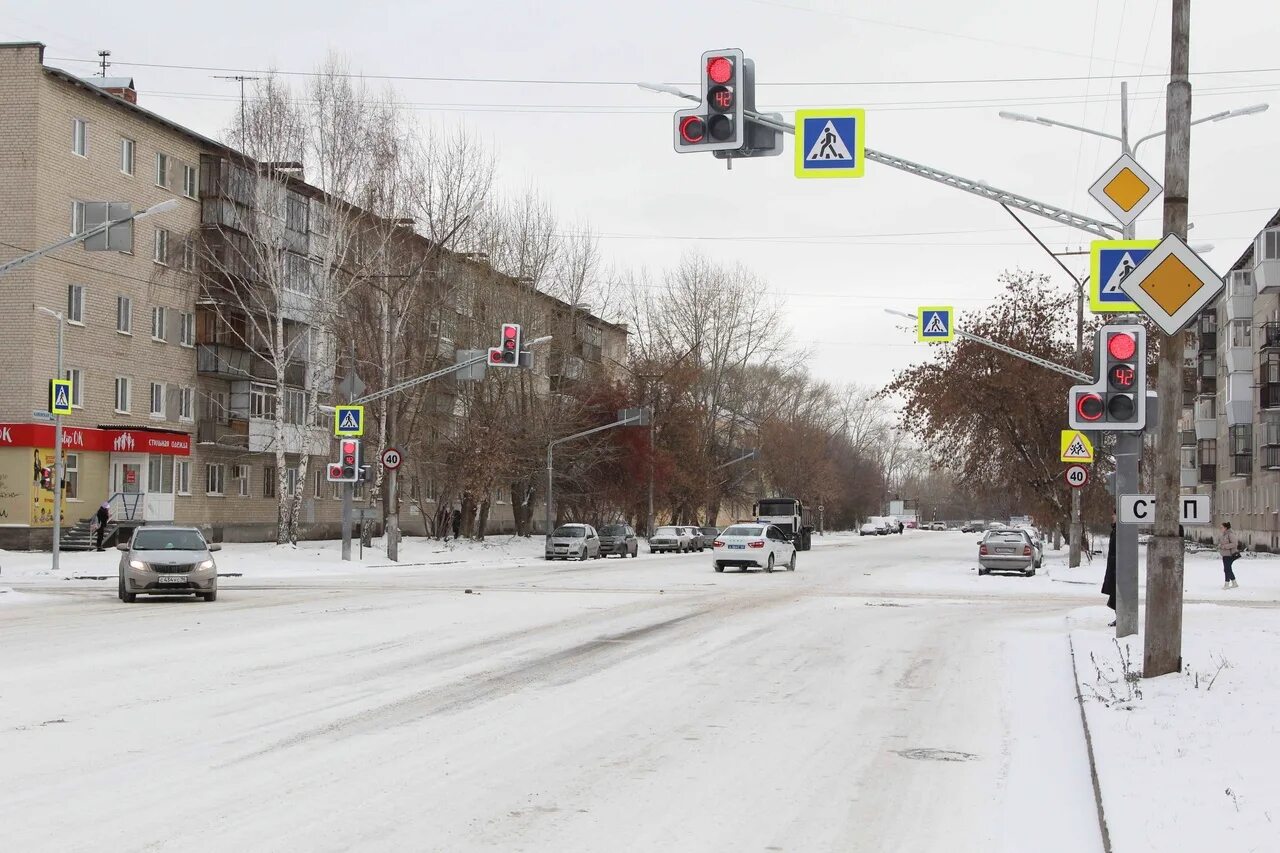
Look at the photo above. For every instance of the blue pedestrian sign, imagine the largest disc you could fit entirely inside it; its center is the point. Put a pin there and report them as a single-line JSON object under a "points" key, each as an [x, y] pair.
{"points": [[831, 143], [935, 324], [348, 420], [1111, 263], [60, 396]]}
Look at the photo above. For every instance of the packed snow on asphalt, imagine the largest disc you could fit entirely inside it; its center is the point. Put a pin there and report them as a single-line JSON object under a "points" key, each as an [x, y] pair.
{"points": [[881, 697]]}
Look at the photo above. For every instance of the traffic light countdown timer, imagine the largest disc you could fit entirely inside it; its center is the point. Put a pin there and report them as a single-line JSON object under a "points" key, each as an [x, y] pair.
{"points": [[1117, 399], [717, 124]]}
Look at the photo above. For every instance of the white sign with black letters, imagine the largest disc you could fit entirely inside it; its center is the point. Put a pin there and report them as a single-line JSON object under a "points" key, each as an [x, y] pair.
{"points": [[1141, 509]]}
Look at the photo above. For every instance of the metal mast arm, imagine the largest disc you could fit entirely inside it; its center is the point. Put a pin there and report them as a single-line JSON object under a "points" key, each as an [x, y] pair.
{"points": [[1008, 350]]}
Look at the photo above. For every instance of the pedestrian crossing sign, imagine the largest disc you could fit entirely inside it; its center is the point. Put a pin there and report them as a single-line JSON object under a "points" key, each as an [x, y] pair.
{"points": [[935, 324], [59, 396], [1076, 447], [831, 143], [1111, 263], [348, 420]]}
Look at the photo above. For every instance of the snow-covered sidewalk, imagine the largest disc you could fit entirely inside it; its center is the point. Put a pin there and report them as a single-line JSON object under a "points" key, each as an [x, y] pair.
{"points": [[1259, 575], [1187, 761]]}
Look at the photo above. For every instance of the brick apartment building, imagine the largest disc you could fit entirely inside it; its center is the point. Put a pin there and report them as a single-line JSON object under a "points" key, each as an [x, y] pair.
{"points": [[172, 415]]}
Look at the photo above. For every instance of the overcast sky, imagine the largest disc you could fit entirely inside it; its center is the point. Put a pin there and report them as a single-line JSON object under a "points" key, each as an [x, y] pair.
{"points": [[837, 251]]}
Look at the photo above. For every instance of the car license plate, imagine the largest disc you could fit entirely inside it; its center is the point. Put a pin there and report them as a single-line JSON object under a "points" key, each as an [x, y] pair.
{"points": [[173, 579], [738, 546], [1004, 550]]}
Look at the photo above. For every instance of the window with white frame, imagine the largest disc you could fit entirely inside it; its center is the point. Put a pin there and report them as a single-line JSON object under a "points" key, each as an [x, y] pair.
{"points": [[127, 149], [162, 170], [182, 476], [188, 255], [295, 406], [241, 473], [214, 476], [161, 255], [157, 399], [160, 474], [190, 181], [187, 329], [1242, 333], [186, 403], [262, 401], [76, 376], [318, 481], [157, 324], [77, 217], [80, 137], [335, 491], [71, 475], [122, 394], [297, 273], [269, 481], [124, 315], [291, 480], [75, 303], [215, 406]]}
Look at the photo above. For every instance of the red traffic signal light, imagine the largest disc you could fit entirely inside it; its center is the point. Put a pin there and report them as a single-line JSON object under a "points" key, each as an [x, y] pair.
{"points": [[349, 451], [719, 122], [1089, 406], [1121, 345], [720, 69], [335, 471]]}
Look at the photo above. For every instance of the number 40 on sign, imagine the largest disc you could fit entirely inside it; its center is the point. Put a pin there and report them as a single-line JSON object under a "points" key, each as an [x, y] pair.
{"points": [[1077, 476]]}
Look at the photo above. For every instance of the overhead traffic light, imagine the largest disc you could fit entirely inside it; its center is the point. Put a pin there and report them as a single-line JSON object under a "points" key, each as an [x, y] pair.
{"points": [[1117, 399], [717, 124], [507, 353], [348, 468]]}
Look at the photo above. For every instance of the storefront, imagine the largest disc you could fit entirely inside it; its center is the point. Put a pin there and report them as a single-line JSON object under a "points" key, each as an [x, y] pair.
{"points": [[132, 468]]}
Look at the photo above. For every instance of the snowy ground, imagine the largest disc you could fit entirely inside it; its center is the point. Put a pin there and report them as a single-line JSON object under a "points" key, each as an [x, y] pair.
{"points": [[1188, 762], [882, 697]]}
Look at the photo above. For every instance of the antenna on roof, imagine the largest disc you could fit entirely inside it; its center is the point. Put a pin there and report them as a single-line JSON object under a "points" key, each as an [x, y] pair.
{"points": [[241, 79], [102, 55]]}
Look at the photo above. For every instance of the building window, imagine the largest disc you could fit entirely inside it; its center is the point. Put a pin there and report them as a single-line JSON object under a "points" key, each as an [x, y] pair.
{"points": [[262, 402], [187, 329], [75, 303], [188, 255], [160, 473], [291, 481], [1242, 333], [295, 406], [186, 403], [127, 148], [76, 375], [214, 475], [359, 490], [190, 181], [297, 273], [241, 473], [80, 137], [124, 315], [215, 406], [318, 480], [335, 491], [157, 324], [182, 476], [162, 246], [122, 395], [77, 217], [157, 399], [162, 170], [269, 481], [71, 475]]}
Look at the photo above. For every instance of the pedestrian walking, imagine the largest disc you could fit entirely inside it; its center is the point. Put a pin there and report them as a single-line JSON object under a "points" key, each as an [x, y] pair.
{"points": [[100, 518], [457, 522], [1109, 579], [1229, 548]]}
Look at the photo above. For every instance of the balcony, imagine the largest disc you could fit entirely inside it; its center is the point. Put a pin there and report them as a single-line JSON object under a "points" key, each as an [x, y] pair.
{"points": [[1206, 327], [1242, 465], [1239, 402], [1206, 424], [225, 432], [233, 363], [1269, 396], [1238, 301], [1266, 259], [1269, 336], [261, 435], [1188, 437], [1208, 474], [1188, 478], [1269, 459]]}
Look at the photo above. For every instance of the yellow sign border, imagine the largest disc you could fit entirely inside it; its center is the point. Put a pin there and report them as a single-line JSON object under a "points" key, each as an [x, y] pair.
{"points": [[859, 152], [934, 339], [337, 419], [1096, 248], [54, 385], [1069, 436]]}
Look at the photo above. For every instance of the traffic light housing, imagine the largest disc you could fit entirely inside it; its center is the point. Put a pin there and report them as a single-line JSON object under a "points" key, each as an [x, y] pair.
{"points": [[1117, 398], [507, 352], [717, 124], [348, 468]]}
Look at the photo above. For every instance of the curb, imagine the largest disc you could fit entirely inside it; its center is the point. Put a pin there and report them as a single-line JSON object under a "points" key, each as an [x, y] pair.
{"points": [[1088, 742]]}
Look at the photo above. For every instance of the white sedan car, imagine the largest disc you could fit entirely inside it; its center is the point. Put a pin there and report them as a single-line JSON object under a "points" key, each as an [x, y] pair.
{"points": [[747, 545]]}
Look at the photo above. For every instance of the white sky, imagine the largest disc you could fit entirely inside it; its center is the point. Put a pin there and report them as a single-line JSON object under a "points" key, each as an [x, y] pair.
{"points": [[839, 251]]}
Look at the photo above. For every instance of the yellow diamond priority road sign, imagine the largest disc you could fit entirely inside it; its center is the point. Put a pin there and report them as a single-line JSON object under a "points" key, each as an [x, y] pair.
{"points": [[1076, 446], [1126, 189], [1172, 285]]}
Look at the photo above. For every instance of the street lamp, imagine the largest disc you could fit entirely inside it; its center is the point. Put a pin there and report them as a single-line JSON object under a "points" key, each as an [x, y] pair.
{"points": [[57, 446]]}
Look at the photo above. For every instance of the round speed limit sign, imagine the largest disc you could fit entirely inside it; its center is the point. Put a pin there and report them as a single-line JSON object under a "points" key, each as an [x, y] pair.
{"points": [[391, 459], [1077, 476]]}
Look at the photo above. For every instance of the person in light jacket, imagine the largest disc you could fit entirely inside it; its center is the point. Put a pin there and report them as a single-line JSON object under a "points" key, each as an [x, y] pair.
{"points": [[1229, 548]]}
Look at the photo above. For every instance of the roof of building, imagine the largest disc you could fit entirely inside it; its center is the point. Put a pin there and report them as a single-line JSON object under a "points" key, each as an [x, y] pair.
{"points": [[110, 82], [1246, 259]]}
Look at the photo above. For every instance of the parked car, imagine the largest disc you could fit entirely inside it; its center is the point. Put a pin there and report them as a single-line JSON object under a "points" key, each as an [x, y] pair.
{"points": [[912, 524], [670, 538], [708, 535], [747, 545], [895, 524], [167, 561], [619, 539], [573, 542], [938, 525], [973, 527], [1008, 551], [876, 525]]}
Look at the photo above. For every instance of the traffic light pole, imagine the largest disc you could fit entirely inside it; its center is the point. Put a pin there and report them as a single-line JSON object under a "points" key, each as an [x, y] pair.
{"points": [[348, 488], [1128, 453]]}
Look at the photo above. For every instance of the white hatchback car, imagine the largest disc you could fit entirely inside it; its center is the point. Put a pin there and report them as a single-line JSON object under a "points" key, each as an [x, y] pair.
{"points": [[747, 545]]}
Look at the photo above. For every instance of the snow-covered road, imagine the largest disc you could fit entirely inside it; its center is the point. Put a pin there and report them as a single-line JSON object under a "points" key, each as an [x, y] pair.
{"points": [[880, 698]]}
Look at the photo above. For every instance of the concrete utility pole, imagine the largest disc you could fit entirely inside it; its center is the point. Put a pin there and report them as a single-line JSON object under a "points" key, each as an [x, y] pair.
{"points": [[1162, 652]]}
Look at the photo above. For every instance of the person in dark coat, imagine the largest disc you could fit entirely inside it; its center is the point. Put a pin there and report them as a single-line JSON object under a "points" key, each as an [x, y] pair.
{"points": [[1109, 579], [102, 516], [457, 522]]}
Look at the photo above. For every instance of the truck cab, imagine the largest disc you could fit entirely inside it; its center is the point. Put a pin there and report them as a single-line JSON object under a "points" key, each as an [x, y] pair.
{"points": [[790, 516]]}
